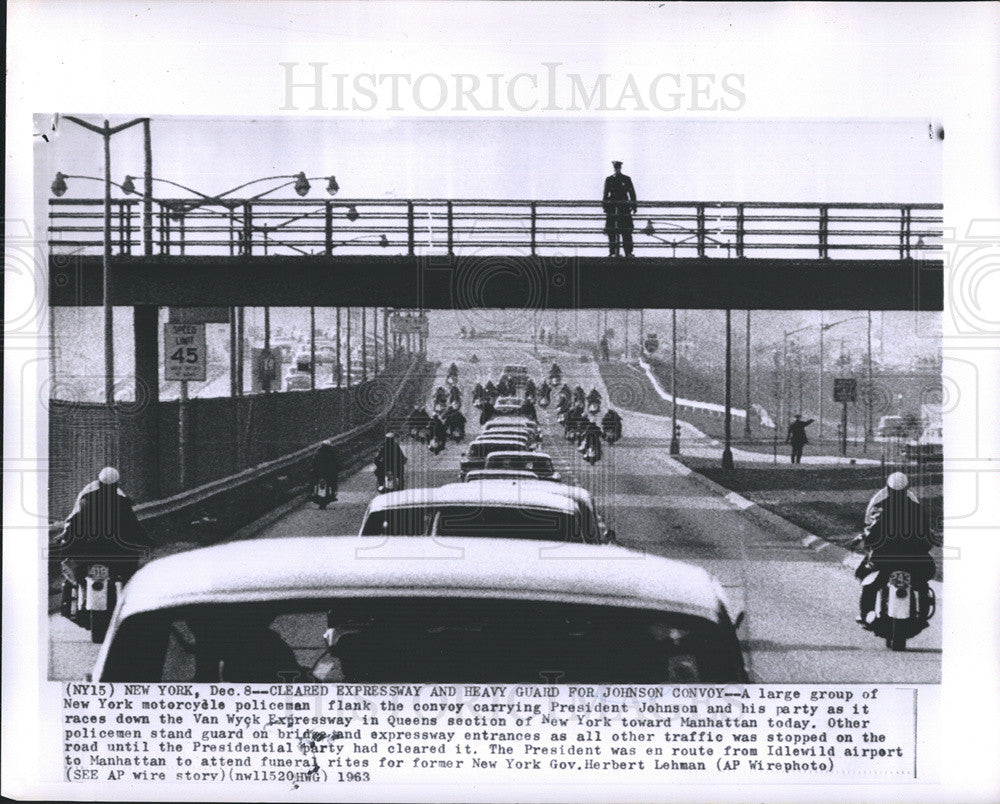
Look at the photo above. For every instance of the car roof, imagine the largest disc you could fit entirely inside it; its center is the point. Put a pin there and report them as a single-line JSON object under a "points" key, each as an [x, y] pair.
{"points": [[520, 453], [492, 492], [531, 481], [500, 474], [295, 568], [500, 438]]}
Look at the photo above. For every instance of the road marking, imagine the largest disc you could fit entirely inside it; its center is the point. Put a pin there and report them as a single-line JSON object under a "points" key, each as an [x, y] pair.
{"points": [[739, 501]]}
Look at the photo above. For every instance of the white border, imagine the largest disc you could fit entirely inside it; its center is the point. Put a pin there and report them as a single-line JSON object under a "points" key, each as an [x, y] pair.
{"points": [[800, 60]]}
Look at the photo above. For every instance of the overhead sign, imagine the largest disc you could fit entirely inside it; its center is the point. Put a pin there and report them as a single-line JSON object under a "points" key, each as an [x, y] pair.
{"points": [[185, 353], [199, 315], [845, 389]]}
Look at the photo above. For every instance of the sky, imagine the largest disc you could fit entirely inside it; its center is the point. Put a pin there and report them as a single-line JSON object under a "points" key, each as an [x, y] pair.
{"points": [[672, 160]]}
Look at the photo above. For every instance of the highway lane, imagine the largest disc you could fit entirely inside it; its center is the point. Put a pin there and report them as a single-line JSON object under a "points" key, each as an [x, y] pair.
{"points": [[800, 609]]}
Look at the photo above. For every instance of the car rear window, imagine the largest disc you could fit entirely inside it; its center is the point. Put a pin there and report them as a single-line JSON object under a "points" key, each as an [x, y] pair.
{"points": [[508, 522], [480, 449], [528, 463], [406, 521], [422, 639]]}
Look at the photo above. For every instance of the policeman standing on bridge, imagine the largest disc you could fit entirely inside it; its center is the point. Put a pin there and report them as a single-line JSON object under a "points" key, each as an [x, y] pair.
{"points": [[619, 203]]}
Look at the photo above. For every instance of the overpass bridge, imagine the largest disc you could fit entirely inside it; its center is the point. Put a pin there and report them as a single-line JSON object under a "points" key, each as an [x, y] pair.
{"points": [[425, 254], [468, 253]]}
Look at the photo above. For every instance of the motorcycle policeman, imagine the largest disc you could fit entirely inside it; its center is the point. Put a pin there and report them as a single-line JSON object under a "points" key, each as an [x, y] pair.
{"points": [[326, 467], [102, 526], [612, 424], [591, 439], [390, 458], [896, 536]]}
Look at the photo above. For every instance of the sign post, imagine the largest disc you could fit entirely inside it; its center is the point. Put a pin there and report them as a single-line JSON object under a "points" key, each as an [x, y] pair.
{"points": [[185, 359], [845, 389]]}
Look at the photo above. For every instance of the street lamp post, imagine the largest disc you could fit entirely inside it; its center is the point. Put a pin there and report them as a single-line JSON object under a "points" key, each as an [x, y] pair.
{"points": [[107, 132], [786, 397], [746, 421], [675, 447], [727, 452]]}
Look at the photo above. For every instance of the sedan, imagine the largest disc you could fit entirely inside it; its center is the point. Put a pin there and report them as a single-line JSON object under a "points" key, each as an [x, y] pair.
{"points": [[322, 609]]}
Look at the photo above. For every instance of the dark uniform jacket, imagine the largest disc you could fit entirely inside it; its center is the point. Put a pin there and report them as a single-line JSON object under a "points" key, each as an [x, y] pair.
{"points": [[619, 188], [102, 525]]}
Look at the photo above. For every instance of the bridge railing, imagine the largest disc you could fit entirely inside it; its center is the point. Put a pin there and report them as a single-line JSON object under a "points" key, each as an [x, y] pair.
{"points": [[260, 227]]}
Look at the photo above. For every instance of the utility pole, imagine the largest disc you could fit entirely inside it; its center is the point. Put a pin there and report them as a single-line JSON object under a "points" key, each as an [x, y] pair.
{"points": [[675, 447], [727, 453], [746, 421]]}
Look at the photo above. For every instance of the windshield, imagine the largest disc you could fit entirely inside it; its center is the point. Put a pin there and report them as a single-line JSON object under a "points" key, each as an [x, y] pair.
{"points": [[421, 639]]}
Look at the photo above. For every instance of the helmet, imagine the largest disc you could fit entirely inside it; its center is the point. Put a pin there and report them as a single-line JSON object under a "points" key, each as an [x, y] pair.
{"points": [[390, 435], [108, 476], [897, 481]]}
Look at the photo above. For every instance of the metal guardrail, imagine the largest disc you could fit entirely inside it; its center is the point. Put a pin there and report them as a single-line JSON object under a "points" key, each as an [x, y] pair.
{"points": [[348, 442], [233, 227], [353, 445]]}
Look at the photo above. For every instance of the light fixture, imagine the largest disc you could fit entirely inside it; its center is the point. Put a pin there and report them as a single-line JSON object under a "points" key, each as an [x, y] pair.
{"points": [[128, 186], [332, 187], [59, 185], [301, 184], [352, 213]]}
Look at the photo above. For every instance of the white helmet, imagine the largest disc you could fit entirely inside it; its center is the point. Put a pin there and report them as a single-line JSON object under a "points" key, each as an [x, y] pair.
{"points": [[897, 481], [108, 476]]}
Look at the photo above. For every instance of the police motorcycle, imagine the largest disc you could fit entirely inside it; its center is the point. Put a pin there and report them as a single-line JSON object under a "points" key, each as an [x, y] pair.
{"points": [[389, 477], [590, 444], [544, 395], [419, 425], [322, 493], [594, 402], [454, 423], [454, 398], [392, 482], [579, 396], [904, 602], [478, 395], [555, 376], [90, 592], [452, 378], [439, 435]]}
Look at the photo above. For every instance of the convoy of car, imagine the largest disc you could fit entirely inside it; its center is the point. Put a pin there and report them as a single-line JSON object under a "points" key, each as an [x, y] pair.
{"points": [[396, 606]]}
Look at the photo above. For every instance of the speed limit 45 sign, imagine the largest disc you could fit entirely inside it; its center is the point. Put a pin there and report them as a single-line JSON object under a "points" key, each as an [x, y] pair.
{"points": [[184, 352]]}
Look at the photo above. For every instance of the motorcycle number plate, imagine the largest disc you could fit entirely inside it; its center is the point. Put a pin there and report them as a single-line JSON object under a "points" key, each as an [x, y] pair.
{"points": [[99, 572]]}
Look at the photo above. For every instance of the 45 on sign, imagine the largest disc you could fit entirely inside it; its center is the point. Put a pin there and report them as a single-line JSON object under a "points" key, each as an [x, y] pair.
{"points": [[184, 352]]}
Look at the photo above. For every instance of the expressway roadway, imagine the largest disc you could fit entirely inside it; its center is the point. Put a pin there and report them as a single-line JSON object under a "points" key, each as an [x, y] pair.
{"points": [[800, 608]]}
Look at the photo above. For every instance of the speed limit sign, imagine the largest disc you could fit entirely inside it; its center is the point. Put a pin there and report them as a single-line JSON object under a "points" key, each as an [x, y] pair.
{"points": [[184, 352]]}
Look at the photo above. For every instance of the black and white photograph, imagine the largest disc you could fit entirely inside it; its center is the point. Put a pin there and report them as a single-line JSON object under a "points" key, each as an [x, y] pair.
{"points": [[500, 402], [358, 491]]}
